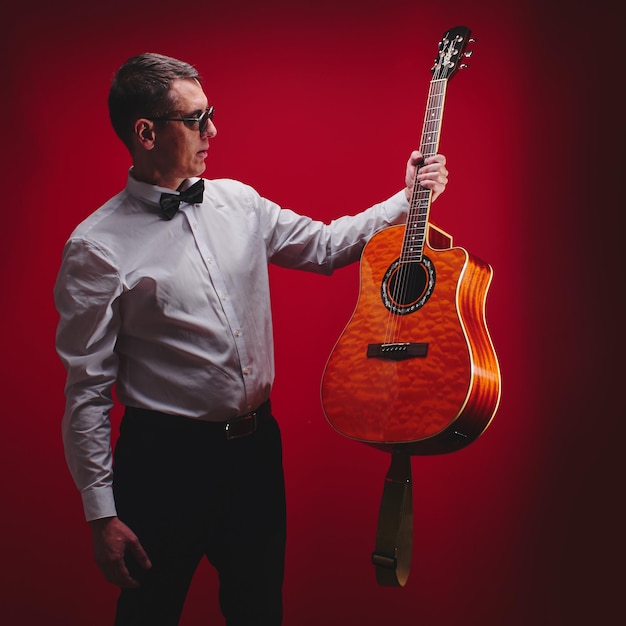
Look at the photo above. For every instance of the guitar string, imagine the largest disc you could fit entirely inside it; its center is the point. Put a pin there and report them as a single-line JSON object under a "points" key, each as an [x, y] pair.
{"points": [[417, 221], [399, 282]]}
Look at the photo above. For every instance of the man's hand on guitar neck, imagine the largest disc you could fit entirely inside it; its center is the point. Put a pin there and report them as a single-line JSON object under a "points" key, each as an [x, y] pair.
{"points": [[431, 173]]}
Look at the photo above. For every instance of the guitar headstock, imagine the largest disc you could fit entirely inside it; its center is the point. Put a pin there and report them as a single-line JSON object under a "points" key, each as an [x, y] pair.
{"points": [[452, 49]]}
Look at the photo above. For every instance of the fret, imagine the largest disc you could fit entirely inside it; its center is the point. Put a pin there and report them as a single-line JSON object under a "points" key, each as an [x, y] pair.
{"points": [[419, 207]]}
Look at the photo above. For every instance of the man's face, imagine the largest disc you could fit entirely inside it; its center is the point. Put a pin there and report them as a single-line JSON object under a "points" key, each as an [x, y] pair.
{"points": [[179, 149]]}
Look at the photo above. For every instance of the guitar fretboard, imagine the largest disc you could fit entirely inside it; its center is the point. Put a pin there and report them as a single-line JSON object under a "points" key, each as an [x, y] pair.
{"points": [[419, 207]]}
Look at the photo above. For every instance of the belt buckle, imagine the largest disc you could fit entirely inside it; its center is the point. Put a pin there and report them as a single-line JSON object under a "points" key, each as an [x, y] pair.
{"points": [[241, 426]]}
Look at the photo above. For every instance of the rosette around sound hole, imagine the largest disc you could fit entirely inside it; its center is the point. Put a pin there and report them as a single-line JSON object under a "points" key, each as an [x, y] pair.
{"points": [[407, 285]]}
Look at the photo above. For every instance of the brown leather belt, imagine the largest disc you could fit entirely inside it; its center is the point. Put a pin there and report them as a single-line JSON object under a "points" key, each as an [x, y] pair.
{"points": [[234, 428]]}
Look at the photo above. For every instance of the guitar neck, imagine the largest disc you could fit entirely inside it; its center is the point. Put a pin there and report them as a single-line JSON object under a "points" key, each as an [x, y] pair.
{"points": [[431, 130], [419, 207]]}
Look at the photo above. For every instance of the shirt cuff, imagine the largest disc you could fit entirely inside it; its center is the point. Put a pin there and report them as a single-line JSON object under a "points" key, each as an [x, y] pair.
{"points": [[396, 208], [98, 503]]}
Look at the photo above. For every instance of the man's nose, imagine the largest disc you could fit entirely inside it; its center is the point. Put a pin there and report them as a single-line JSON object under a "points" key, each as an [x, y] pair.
{"points": [[211, 130]]}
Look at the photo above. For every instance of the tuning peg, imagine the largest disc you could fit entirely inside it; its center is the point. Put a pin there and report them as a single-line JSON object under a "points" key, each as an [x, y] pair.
{"points": [[463, 66], [472, 40], [468, 53]]}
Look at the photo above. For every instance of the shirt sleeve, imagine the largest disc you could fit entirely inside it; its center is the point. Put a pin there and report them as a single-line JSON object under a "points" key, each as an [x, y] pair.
{"points": [[86, 297], [302, 243]]}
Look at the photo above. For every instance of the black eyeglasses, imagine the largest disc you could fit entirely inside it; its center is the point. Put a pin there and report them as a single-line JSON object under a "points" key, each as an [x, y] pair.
{"points": [[203, 120]]}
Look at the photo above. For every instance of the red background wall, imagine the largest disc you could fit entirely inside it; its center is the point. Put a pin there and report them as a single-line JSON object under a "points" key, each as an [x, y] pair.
{"points": [[318, 107]]}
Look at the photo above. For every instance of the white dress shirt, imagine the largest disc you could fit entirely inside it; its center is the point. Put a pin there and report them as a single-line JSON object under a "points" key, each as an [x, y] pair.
{"points": [[176, 313]]}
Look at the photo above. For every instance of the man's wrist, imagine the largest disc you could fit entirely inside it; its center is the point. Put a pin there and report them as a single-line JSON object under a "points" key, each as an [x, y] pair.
{"points": [[100, 523]]}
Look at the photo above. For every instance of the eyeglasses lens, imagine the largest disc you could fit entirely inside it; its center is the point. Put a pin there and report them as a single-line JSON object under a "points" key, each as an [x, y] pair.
{"points": [[203, 122]]}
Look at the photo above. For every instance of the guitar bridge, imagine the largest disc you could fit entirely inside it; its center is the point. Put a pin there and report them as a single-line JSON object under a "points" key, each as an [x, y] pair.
{"points": [[397, 351]]}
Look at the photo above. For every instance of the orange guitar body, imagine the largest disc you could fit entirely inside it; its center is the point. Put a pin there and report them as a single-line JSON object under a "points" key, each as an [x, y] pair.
{"points": [[440, 396]]}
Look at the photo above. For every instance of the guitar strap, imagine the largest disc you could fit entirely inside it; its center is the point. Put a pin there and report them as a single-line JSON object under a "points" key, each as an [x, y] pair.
{"points": [[394, 535]]}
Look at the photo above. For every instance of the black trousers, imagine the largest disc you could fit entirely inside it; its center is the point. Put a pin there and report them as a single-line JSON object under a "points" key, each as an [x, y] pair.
{"points": [[188, 492]]}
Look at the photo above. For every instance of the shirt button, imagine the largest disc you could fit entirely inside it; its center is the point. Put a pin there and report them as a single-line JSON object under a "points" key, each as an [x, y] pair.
{"points": [[246, 370], [237, 333]]}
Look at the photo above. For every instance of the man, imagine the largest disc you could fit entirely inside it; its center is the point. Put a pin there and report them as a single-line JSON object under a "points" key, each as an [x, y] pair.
{"points": [[164, 295]]}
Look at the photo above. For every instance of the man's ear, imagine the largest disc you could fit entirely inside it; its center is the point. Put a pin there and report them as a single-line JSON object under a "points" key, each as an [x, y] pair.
{"points": [[144, 133]]}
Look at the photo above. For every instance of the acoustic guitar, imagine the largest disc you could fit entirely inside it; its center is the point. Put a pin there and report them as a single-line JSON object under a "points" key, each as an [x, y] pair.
{"points": [[415, 368]]}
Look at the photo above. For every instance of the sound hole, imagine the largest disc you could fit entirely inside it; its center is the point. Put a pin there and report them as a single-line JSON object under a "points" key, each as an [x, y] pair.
{"points": [[406, 286]]}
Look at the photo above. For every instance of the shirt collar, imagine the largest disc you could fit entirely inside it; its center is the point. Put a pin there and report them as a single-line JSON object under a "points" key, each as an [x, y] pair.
{"points": [[151, 193]]}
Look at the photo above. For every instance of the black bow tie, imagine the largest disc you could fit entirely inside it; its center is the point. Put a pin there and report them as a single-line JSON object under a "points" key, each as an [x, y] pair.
{"points": [[170, 202]]}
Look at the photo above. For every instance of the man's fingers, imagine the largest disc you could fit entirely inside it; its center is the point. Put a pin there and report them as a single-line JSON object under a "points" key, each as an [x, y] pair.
{"points": [[140, 555], [117, 573]]}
